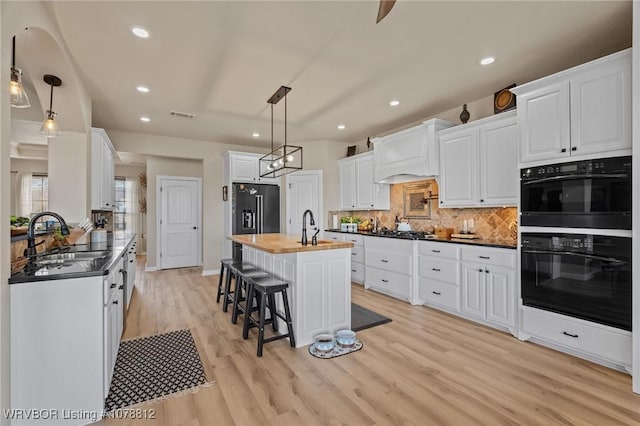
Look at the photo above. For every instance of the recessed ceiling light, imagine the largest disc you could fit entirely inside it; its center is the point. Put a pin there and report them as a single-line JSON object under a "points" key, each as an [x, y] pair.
{"points": [[145, 119], [140, 32], [142, 89], [255, 134], [488, 60], [341, 127], [394, 102]]}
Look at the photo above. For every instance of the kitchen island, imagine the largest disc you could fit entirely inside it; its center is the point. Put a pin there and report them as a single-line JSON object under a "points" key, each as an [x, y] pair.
{"points": [[319, 278]]}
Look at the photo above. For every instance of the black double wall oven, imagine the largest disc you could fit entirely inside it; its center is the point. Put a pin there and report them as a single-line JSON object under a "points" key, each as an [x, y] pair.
{"points": [[585, 274]]}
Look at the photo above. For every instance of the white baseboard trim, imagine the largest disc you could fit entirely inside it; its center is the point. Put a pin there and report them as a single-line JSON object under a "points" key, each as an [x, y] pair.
{"points": [[208, 272], [148, 268]]}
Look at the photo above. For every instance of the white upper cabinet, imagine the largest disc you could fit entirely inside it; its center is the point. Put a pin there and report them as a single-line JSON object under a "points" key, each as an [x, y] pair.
{"points": [[409, 155], [579, 112], [459, 168], [347, 174], [245, 168], [102, 171], [358, 191], [478, 163]]}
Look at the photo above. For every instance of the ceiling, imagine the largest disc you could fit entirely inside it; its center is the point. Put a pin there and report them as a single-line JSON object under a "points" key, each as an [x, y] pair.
{"points": [[222, 60]]}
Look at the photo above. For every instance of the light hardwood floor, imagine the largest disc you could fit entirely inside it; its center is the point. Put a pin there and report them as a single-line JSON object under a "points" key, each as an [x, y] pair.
{"points": [[426, 367]]}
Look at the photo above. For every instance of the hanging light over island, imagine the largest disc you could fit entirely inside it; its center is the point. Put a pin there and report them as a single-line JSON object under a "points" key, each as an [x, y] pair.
{"points": [[286, 158]]}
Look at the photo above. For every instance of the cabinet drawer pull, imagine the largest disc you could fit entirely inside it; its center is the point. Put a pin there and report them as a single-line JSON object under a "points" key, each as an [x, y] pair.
{"points": [[354, 241], [436, 251], [437, 293], [384, 261], [353, 270], [435, 269], [480, 270], [385, 281], [563, 150], [113, 285], [115, 302], [354, 254], [575, 336], [121, 287], [573, 148], [131, 261], [484, 257], [486, 270]]}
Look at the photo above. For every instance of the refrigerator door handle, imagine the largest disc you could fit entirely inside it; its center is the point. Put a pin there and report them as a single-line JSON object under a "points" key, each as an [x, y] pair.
{"points": [[259, 210]]}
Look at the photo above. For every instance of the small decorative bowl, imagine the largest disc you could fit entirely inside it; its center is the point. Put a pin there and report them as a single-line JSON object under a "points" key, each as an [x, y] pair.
{"points": [[324, 342], [346, 338]]}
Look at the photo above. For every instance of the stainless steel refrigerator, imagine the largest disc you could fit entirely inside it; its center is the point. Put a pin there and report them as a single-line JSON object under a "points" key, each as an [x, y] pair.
{"points": [[255, 209]]}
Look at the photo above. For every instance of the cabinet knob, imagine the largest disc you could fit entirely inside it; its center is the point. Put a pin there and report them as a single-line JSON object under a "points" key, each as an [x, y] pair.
{"points": [[115, 302], [563, 150], [482, 201], [121, 287], [486, 271], [574, 148], [480, 270], [113, 285], [195, 227], [441, 202]]}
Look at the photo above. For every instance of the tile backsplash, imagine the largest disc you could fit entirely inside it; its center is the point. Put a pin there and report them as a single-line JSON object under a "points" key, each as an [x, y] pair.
{"points": [[491, 222]]}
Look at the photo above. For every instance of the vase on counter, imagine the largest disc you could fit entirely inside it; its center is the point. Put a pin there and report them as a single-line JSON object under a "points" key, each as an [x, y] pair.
{"points": [[464, 115]]}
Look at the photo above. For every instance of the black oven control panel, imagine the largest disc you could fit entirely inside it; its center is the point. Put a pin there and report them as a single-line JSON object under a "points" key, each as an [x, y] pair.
{"points": [[583, 167], [564, 242]]}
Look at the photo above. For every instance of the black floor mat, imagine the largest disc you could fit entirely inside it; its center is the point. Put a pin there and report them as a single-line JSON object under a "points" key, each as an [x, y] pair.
{"points": [[362, 318]]}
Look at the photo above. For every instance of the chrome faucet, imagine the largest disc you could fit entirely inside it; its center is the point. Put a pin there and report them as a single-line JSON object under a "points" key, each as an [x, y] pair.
{"points": [[31, 238], [312, 222]]}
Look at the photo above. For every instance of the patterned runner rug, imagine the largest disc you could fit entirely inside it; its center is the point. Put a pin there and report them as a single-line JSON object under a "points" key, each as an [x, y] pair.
{"points": [[150, 368]]}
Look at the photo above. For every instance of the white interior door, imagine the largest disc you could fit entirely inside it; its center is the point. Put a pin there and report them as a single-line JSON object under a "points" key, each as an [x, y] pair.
{"points": [[180, 230], [304, 191]]}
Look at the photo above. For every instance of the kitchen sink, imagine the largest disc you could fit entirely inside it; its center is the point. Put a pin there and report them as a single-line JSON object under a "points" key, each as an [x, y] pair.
{"points": [[72, 257]]}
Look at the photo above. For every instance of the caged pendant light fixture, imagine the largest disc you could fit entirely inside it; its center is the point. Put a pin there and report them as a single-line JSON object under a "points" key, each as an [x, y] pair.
{"points": [[49, 127], [286, 158], [19, 98]]}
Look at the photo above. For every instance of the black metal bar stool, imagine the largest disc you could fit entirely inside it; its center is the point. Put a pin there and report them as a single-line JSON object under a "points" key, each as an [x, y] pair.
{"points": [[243, 271], [235, 268], [224, 266], [263, 291]]}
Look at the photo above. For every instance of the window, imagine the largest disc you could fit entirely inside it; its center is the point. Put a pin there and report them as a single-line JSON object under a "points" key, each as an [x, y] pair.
{"points": [[39, 193], [120, 208]]}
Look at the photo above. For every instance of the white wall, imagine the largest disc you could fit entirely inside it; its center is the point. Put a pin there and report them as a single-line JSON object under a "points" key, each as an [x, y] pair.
{"points": [[69, 176], [129, 171]]}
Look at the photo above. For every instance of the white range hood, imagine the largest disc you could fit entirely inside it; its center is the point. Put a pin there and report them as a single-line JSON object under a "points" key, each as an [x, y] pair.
{"points": [[409, 155]]}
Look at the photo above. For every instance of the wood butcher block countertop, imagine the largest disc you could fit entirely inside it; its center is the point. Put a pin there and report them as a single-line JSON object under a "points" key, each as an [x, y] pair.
{"points": [[283, 243]]}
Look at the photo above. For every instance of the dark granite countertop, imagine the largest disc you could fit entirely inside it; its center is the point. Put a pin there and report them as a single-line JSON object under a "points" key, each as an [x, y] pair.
{"points": [[487, 242], [82, 269]]}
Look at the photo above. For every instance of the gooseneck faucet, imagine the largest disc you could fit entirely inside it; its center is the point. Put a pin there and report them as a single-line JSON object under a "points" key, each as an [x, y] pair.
{"points": [[31, 238], [312, 222]]}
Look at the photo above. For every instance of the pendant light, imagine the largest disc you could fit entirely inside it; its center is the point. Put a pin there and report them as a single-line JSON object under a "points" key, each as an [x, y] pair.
{"points": [[19, 98], [286, 158], [49, 126]]}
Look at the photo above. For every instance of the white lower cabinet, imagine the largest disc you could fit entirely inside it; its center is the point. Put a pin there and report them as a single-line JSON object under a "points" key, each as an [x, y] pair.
{"points": [[597, 342], [488, 292], [357, 253], [388, 266], [64, 342]]}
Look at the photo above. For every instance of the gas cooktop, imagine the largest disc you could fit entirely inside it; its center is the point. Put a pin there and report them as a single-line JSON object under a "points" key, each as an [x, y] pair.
{"points": [[407, 235]]}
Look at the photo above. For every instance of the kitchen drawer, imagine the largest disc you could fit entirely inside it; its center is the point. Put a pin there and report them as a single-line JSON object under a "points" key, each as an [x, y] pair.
{"points": [[445, 250], [334, 236], [357, 254], [390, 245], [356, 239], [489, 256], [439, 293], [389, 260], [357, 272], [439, 269], [599, 340], [397, 284]]}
